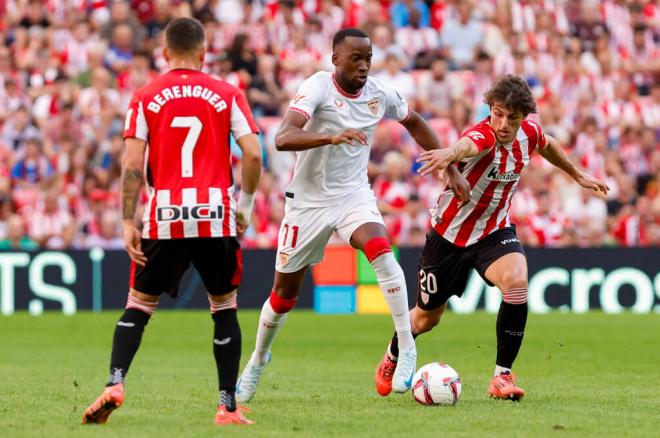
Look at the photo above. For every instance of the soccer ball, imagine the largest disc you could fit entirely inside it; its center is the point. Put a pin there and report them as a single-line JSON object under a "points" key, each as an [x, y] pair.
{"points": [[436, 384]]}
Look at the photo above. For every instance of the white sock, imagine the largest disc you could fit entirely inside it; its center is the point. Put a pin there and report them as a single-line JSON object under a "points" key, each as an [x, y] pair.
{"points": [[393, 285], [499, 370], [269, 324]]}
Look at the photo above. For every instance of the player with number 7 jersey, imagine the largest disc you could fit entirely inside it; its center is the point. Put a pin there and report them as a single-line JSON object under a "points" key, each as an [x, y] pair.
{"points": [[187, 117], [177, 135]]}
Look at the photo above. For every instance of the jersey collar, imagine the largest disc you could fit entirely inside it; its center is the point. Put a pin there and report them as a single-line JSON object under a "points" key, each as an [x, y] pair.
{"points": [[344, 93]]}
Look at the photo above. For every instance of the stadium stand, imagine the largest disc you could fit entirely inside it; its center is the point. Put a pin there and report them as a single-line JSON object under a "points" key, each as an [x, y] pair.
{"points": [[68, 68]]}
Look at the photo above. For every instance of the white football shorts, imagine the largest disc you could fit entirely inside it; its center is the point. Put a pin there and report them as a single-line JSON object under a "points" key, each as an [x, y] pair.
{"points": [[305, 231]]}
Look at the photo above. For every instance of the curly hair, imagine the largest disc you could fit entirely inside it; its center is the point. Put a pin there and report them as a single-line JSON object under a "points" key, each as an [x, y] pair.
{"points": [[513, 92]]}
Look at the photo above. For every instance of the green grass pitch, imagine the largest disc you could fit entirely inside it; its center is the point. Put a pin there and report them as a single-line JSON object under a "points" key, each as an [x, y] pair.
{"points": [[585, 375]]}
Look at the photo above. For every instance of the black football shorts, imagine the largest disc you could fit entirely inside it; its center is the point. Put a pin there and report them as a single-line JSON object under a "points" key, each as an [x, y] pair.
{"points": [[444, 268], [218, 261]]}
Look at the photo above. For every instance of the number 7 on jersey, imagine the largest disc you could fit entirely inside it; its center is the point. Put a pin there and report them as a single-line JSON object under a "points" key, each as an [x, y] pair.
{"points": [[194, 126]]}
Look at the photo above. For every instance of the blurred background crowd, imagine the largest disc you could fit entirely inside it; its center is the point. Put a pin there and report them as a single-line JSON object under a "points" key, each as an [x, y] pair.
{"points": [[68, 68]]}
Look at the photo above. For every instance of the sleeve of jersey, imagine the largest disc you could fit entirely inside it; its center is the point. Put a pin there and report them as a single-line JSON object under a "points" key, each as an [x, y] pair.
{"points": [[397, 106], [483, 138], [242, 122], [135, 125], [309, 96], [540, 135]]}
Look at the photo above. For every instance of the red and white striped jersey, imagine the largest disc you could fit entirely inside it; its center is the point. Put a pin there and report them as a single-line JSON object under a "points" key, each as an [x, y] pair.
{"points": [[493, 175], [186, 117]]}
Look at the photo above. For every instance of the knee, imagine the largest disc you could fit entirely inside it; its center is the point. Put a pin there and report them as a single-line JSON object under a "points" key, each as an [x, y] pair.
{"points": [[142, 302], [218, 303], [375, 248], [514, 287], [514, 278], [279, 302], [422, 323]]}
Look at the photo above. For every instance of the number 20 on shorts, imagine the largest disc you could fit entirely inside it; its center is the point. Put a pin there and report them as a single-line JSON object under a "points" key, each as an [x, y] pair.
{"points": [[294, 235]]}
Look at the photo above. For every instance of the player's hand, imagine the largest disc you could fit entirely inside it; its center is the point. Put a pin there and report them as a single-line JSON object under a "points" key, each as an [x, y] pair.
{"points": [[133, 243], [435, 160], [459, 185], [350, 136], [589, 182], [242, 225]]}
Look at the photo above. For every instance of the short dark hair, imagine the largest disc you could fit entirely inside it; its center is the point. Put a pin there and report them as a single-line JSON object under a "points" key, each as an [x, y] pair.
{"points": [[513, 92], [184, 35], [345, 33]]}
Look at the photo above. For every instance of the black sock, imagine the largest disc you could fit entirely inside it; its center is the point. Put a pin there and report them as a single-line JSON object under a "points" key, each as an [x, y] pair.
{"points": [[511, 322], [126, 342], [227, 352], [394, 345]]}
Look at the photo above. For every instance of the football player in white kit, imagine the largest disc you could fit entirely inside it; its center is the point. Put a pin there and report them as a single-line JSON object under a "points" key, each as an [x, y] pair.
{"points": [[329, 124]]}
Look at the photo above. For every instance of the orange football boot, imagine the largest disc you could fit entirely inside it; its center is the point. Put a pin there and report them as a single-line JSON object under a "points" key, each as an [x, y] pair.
{"points": [[384, 374], [224, 417], [503, 386], [99, 411]]}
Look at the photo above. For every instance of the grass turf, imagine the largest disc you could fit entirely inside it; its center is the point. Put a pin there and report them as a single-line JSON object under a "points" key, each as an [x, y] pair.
{"points": [[590, 374]]}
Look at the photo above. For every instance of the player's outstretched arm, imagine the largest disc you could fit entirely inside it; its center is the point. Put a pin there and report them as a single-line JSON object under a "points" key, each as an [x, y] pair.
{"points": [[554, 154], [131, 181], [250, 172], [292, 137], [439, 159], [421, 131], [424, 135]]}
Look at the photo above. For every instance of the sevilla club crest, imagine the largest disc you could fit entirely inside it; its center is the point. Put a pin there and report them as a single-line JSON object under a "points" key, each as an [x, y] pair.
{"points": [[284, 258], [373, 106]]}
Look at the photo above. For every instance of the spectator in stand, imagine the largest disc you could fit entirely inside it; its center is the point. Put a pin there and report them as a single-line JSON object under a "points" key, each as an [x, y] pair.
{"points": [[265, 90], [593, 66], [461, 37], [99, 103], [120, 53], [296, 58], [392, 187], [32, 168], [382, 45], [418, 42], [589, 27], [161, 16], [375, 14], [588, 213], [63, 126], [18, 129], [109, 236], [11, 98], [242, 57], [16, 238], [121, 14], [435, 90], [401, 9], [394, 75], [548, 226], [51, 224]]}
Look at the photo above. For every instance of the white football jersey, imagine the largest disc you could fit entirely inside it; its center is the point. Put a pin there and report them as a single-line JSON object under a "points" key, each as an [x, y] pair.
{"points": [[328, 174]]}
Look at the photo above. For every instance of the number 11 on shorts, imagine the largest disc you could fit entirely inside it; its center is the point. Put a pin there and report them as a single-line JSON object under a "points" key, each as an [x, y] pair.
{"points": [[294, 235]]}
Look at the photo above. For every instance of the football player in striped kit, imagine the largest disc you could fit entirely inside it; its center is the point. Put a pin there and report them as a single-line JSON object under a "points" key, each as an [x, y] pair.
{"points": [[177, 141], [478, 234]]}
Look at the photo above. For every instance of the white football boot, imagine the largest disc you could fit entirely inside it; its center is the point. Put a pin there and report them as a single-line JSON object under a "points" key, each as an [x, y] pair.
{"points": [[247, 383], [405, 369]]}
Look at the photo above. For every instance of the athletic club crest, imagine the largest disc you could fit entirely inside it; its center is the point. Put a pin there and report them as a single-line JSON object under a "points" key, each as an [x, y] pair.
{"points": [[373, 106]]}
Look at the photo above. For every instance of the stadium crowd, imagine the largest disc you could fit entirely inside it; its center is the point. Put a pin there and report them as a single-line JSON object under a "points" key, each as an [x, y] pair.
{"points": [[68, 68]]}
